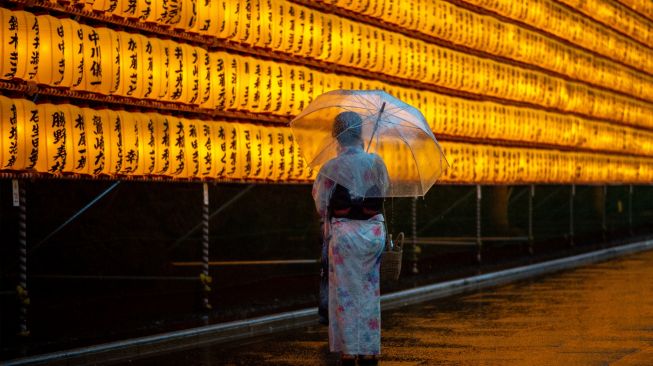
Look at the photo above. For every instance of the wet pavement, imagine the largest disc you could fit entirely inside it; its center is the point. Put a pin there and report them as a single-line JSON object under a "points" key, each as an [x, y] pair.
{"points": [[595, 315]]}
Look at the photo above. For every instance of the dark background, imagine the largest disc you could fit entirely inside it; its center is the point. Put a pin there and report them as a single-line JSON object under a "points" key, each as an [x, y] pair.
{"points": [[109, 274]]}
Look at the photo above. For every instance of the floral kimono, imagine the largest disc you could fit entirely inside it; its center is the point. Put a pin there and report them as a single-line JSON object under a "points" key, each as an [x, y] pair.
{"points": [[355, 248]]}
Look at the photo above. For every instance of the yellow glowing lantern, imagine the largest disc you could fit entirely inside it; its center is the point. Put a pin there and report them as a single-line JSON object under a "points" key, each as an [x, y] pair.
{"points": [[132, 61], [277, 88], [76, 140], [254, 86], [148, 143], [204, 16], [24, 50], [220, 84], [234, 165], [231, 81], [52, 59], [211, 75], [269, 152], [98, 143], [74, 54], [267, 87], [194, 62], [220, 142], [230, 13], [245, 149], [130, 143], [178, 74], [162, 126], [204, 77], [131, 9], [57, 137], [245, 30], [12, 135], [193, 130], [9, 46], [114, 144], [264, 23], [101, 60], [243, 87], [151, 56], [278, 23], [258, 153], [178, 136], [282, 158], [207, 150]]}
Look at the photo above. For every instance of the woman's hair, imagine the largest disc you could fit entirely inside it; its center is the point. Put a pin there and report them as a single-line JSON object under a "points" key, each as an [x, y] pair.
{"points": [[348, 128]]}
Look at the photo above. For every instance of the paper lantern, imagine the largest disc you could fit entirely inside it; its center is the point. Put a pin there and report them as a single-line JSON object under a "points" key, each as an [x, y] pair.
{"points": [[10, 46], [13, 141], [277, 88], [132, 65], [74, 54], [204, 77], [232, 79], [98, 142], [149, 143], [178, 72], [205, 13], [28, 45], [233, 163], [264, 24], [195, 61], [101, 60], [178, 136], [269, 152], [114, 145], [57, 138], [221, 143], [230, 13], [220, 85], [208, 150], [246, 150], [52, 58], [162, 130], [131, 143], [76, 140], [193, 160], [211, 75], [132, 9], [258, 153]]}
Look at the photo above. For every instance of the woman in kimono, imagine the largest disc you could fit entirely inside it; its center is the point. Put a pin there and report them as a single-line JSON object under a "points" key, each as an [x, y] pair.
{"points": [[348, 195]]}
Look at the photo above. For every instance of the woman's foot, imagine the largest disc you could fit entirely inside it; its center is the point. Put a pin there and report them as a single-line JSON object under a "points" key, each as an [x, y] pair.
{"points": [[368, 360], [348, 360]]}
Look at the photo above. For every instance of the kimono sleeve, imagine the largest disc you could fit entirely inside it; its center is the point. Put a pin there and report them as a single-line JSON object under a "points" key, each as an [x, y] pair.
{"points": [[322, 189]]}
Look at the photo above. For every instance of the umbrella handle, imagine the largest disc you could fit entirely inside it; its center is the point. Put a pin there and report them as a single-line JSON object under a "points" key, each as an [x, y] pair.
{"points": [[376, 126]]}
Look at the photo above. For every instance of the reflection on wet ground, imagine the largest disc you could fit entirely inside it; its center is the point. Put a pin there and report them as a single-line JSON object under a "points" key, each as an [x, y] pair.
{"points": [[595, 315]]}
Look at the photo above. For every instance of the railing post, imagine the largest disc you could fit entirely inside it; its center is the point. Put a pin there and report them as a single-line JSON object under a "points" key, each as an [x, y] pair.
{"points": [[572, 194], [20, 201], [630, 209], [604, 223], [479, 243], [531, 194], [414, 250], [204, 276]]}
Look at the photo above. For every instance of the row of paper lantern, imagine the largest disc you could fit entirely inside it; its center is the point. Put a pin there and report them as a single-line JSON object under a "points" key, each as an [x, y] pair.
{"points": [[566, 23], [60, 139], [642, 6], [118, 63], [298, 30], [501, 165], [132, 65], [486, 120], [486, 33], [616, 16]]}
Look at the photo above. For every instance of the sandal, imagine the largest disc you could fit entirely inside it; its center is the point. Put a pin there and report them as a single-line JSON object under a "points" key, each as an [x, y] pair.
{"points": [[368, 360]]}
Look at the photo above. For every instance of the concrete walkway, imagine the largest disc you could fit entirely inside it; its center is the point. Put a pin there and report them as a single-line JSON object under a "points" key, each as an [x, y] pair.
{"points": [[600, 314]]}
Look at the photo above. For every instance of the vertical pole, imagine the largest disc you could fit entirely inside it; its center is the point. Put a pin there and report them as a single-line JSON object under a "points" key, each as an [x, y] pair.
{"points": [[531, 194], [604, 223], [572, 194], [630, 209], [21, 289], [204, 276], [414, 269], [479, 243]]}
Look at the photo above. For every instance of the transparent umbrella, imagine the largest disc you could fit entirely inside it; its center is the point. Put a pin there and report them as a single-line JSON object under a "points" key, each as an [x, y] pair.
{"points": [[393, 130]]}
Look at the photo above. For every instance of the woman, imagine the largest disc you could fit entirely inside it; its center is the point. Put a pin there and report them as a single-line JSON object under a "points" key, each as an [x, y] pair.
{"points": [[348, 195]]}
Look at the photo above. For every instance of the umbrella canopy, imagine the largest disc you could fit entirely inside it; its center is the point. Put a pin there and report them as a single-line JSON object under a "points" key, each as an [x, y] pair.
{"points": [[393, 130]]}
